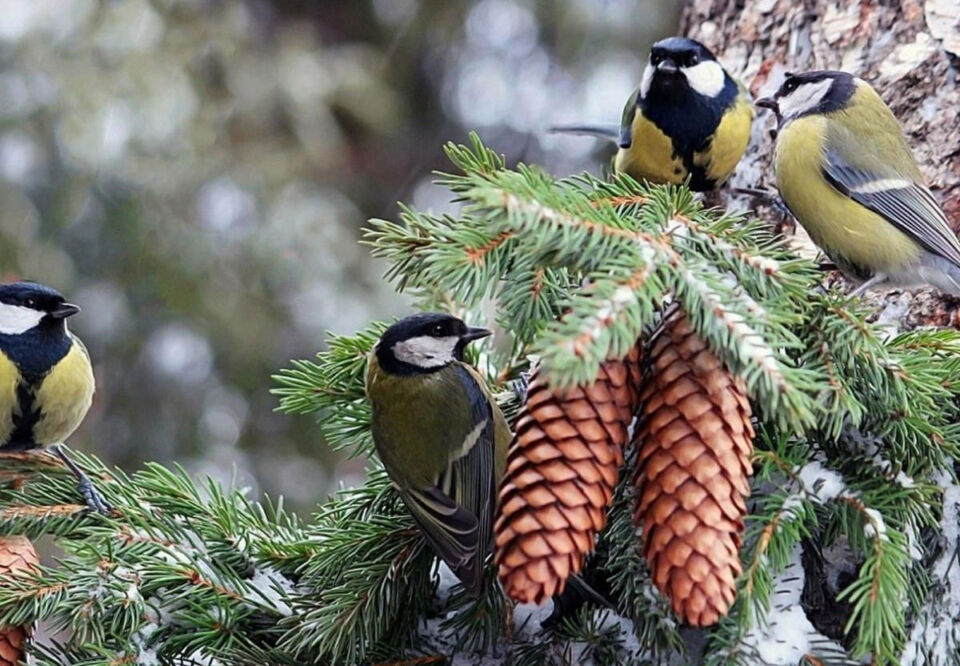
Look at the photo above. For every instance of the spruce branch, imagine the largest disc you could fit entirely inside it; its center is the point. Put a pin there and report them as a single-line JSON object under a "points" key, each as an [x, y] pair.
{"points": [[859, 433], [579, 268], [629, 258], [334, 382]]}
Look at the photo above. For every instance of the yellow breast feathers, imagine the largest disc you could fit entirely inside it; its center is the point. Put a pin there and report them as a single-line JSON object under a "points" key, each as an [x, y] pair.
{"points": [[9, 378], [832, 219], [64, 397], [728, 143], [650, 155]]}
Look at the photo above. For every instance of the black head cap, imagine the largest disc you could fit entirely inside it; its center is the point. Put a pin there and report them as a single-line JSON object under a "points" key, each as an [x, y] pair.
{"points": [[38, 297], [820, 91], [28, 305], [682, 51], [450, 333]]}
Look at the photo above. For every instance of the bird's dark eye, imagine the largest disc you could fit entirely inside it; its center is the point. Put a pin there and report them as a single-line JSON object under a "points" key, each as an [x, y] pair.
{"points": [[31, 303], [692, 59], [655, 58], [438, 330]]}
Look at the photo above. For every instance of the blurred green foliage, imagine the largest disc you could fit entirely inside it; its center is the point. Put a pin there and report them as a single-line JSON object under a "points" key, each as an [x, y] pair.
{"points": [[195, 174]]}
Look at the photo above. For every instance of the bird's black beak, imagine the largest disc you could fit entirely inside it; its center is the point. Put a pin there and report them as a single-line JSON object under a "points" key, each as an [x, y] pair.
{"points": [[667, 66], [768, 103], [64, 310], [474, 334]]}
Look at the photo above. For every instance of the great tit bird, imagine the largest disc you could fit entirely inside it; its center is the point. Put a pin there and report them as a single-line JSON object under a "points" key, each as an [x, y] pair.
{"points": [[688, 118], [845, 171], [46, 380], [440, 435]]}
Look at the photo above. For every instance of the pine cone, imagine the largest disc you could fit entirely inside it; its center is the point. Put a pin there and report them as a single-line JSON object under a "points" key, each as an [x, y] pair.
{"points": [[692, 473], [16, 553], [562, 466]]}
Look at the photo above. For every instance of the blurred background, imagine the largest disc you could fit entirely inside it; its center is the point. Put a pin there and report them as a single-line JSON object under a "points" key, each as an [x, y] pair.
{"points": [[196, 173]]}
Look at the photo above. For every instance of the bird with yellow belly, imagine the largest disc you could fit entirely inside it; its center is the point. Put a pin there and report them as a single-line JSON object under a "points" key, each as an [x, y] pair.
{"points": [[688, 121], [845, 171], [46, 379]]}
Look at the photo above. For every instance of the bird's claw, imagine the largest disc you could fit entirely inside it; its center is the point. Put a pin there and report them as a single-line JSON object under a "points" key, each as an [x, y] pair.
{"points": [[91, 497]]}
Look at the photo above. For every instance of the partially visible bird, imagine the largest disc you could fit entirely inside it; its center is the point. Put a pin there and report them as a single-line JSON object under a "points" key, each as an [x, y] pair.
{"points": [[688, 119], [440, 435], [46, 380], [845, 171]]}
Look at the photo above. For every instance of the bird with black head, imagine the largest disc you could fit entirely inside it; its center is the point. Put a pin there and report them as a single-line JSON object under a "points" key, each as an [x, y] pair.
{"points": [[440, 435], [688, 121], [845, 171], [46, 379]]}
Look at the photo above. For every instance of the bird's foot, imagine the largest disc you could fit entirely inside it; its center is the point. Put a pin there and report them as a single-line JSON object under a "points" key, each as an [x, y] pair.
{"points": [[876, 280], [91, 496], [767, 197]]}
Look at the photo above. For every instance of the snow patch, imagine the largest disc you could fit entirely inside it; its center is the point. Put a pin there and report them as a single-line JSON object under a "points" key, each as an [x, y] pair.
{"points": [[148, 658], [935, 631], [201, 658], [904, 480], [527, 619], [447, 581], [271, 587], [821, 483], [787, 635], [792, 504], [913, 543], [875, 527]]}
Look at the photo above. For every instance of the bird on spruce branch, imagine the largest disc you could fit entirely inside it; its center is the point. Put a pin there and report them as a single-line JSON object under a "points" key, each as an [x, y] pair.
{"points": [[46, 380], [440, 435]]}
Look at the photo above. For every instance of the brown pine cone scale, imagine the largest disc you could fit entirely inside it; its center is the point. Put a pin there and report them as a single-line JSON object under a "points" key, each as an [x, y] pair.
{"points": [[16, 553], [562, 467], [695, 442]]}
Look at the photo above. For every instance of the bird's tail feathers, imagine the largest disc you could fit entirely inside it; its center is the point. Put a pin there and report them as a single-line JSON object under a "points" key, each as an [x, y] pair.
{"points": [[938, 271], [607, 131]]}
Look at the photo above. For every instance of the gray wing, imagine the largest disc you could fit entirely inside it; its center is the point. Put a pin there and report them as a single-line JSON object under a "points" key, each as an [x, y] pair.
{"points": [[907, 205], [457, 514], [626, 120], [451, 530]]}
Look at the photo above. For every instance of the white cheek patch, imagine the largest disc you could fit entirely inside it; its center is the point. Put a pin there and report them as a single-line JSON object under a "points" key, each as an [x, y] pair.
{"points": [[426, 351], [646, 81], [804, 98], [705, 77], [15, 319]]}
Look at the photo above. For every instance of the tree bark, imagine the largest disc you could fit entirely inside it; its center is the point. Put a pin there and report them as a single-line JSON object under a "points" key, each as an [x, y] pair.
{"points": [[909, 50]]}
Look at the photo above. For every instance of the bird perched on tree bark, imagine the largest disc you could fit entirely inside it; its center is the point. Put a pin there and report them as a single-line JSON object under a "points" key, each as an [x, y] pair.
{"points": [[46, 380], [845, 171], [688, 119], [440, 435]]}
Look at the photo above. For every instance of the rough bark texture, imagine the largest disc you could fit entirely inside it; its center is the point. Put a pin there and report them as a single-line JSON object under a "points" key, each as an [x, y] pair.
{"points": [[909, 50]]}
